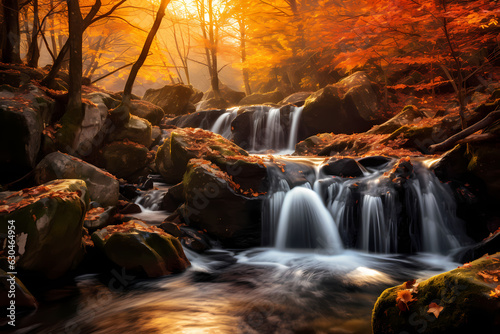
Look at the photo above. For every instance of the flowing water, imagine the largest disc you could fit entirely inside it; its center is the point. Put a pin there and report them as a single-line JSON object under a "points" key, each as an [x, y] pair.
{"points": [[332, 245]]}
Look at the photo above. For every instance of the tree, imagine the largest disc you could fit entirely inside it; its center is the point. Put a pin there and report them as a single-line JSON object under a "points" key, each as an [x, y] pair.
{"points": [[11, 39]]}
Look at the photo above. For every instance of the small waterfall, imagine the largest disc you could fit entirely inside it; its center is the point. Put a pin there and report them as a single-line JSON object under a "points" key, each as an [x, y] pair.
{"points": [[306, 224], [294, 127], [371, 213], [274, 134], [222, 125]]}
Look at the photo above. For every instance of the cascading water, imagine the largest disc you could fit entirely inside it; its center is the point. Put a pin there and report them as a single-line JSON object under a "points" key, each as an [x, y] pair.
{"points": [[294, 127], [222, 125], [371, 213]]}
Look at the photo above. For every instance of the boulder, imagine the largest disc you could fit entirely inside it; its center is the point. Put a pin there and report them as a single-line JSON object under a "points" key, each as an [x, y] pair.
{"points": [[23, 297], [48, 223], [230, 95], [201, 119], [137, 130], [487, 246], [101, 97], [408, 115], [102, 187], [262, 98], [123, 158], [148, 111], [228, 211], [212, 103], [298, 99], [20, 136], [13, 78], [361, 95], [86, 134], [98, 218], [343, 167], [485, 164], [197, 96], [458, 301], [173, 99], [141, 249], [184, 144]]}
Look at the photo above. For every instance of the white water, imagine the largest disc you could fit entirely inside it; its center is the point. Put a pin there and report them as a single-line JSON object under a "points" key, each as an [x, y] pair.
{"points": [[222, 125], [294, 127]]}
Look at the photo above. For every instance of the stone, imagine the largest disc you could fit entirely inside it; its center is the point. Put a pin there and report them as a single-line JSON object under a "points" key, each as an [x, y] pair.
{"points": [[298, 99], [48, 225], [20, 136], [148, 111], [343, 167], [463, 295], [262, 98], [123, 158], [173, 99], [102, 187], [408, 115], [137, 130], [141, 249]]}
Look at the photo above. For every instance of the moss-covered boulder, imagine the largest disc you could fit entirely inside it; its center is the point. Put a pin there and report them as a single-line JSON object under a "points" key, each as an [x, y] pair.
{"points": [[462, 300], [20, 136], [141, 249], [216, 203], [185, 144], [87, 132], [48, 223], [137, 130], [103, 187], [173, 99], [123, 158]]}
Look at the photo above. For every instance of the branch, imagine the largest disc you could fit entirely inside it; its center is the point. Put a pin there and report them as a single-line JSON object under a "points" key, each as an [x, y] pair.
{"points": [[450, 142]]}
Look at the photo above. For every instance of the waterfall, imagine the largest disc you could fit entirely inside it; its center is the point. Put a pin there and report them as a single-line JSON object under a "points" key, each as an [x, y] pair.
{"points": [[305, 223], [222, 125], [294, 127], [371, 213]]}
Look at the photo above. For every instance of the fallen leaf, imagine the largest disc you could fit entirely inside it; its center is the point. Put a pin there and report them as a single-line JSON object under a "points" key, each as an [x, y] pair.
{"points": [[404, 297], [495, 293], [435, 309]]}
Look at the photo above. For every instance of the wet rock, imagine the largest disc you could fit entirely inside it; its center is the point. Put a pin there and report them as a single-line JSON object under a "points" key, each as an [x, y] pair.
{"points": [[173, 198], [489, 245], [94, 120], [343, 167], [184, 144], [173, 99], [463, 294], [155, 135], [262, 98], [212, 103], [408, 115], [141, 249], [102, 187], [200, 119], [48, 225], [484, 163], [137, 130], [230, 95], [123, 158], [376, 161], [195, 241], [20, 135], [222, 207], [171, 228], [298, 99], [130, 208], [147, 111], [129, 191]]}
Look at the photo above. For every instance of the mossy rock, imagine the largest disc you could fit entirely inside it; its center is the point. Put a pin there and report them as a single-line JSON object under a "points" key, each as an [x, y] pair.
{"points": [[173, 99], [408, 115], [148, 111], [141, 249], [137, 130], [463, 294], [48, 223], [124, 158], [185, 144]]}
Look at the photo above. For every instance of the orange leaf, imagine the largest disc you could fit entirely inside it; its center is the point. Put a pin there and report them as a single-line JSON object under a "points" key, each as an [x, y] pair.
{"points": [[404, 297], [435, 309], [495, 293]]}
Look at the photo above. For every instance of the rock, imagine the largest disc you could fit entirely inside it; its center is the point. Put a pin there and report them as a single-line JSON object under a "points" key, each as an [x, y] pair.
{"points": [[485, 164], [171, 228], [130, 208], [489, 245], [155, 135], [343, 167], [463, 294], [129, 191], [184, 144], [48, 225], [98, 218], [173, 198], [212, 103], [23, 298], [102, 187], [361, 94], [408, 115], [123, 158], [101, 97], [262, 98], [141, 249], [148, 111], [197, 96], [173, 99], [298, 99], [20, 136], [13, 78], [376, 162], [452, 164], [200, 119], [228, 211], [137, 130], [230, 95], [195, 241]]}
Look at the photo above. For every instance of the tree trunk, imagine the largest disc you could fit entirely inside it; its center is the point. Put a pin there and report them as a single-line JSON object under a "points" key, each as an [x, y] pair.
{"points": [[52, 32], [11, 46], [246, 77], [214, 79], [75, 60], [34, 50]]}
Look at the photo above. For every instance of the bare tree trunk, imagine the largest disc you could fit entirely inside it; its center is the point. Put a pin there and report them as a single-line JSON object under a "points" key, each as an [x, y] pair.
{"points": [[52, 32], [34, 50], [75, 60], [246, 77], [11, 46], [213, 51]]}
